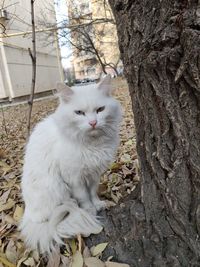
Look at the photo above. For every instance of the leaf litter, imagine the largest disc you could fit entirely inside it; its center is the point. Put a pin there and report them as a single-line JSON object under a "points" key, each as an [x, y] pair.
{"points": [[119, 181]]}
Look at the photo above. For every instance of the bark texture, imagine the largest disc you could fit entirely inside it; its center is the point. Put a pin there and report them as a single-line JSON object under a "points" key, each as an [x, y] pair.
{"points": [[160, 47]]}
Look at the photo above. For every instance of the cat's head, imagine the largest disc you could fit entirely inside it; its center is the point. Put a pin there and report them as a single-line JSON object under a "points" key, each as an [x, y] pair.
{"points": [[88, 110]]}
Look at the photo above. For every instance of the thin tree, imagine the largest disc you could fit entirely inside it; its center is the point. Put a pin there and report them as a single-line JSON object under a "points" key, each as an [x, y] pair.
{"points": [[33, 59]]}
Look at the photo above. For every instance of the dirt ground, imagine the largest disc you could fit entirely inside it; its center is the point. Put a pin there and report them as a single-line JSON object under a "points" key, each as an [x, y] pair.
{"points": [[117, 182]]}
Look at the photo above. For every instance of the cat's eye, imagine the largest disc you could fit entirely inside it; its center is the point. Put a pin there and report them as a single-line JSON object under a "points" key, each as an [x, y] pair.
{"points": [[100, 109], [79, 112]]}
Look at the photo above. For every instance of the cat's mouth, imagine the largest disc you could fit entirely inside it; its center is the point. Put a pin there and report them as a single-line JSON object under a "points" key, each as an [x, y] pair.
{"points": [[94, 131]]}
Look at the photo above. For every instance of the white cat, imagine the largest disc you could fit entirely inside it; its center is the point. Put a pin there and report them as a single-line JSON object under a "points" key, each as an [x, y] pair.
{"points": [[65, 157]]}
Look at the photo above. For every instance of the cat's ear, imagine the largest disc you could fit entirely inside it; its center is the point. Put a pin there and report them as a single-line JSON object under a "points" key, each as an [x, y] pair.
{"points": [[105, 85], [64, 91]]}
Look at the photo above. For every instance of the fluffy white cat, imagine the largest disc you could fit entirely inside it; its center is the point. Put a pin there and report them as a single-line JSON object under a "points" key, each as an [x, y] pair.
{"points": [[65, 157]]}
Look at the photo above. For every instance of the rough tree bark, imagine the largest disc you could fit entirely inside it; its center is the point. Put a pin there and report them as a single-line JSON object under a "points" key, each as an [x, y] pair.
{"points": [[159, 224]]}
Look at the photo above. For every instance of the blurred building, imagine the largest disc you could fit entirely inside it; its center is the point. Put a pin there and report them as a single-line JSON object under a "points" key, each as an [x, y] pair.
{"points": [[15, 61], [98, 35]]}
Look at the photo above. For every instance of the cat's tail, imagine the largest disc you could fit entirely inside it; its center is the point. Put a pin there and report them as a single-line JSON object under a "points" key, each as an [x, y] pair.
{"points": [[67, 221]]}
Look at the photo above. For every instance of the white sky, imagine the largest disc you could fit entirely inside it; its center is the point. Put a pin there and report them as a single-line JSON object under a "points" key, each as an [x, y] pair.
{"points": [[61, 14]]}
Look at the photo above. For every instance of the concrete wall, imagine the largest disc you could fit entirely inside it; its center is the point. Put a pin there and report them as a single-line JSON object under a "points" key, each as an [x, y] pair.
{"points": [[20, 69], [15, 61], [5, 83]]}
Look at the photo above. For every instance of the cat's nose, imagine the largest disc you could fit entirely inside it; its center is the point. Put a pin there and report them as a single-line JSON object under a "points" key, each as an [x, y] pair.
{"points": [[93, 123]]}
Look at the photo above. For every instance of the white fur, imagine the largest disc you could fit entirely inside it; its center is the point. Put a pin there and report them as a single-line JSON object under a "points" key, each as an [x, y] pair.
{"points": [[64, 160]]}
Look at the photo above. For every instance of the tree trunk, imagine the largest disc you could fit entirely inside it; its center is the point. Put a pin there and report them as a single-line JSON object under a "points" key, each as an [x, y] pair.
{"points": [[160, 47]]}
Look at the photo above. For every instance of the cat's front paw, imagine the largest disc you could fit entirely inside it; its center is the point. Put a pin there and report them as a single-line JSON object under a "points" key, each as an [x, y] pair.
{"points": [[90, 209], [99, 204]]}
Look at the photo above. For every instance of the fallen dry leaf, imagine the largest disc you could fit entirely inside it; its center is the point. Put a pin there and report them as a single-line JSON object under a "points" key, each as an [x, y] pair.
{"points": [[5, 167], [115, 264], [11, 252], [65, 261], [94, 262], [4, 197], [7, 206], [18, 213], [29, 262], [73, 246], [86, 253], [98, 249], [126, 158], [2, 154], [77, 260]]}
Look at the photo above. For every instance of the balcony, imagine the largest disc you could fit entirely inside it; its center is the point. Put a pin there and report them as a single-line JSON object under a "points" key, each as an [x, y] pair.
{"points": [[84, 58], [4, 18]]}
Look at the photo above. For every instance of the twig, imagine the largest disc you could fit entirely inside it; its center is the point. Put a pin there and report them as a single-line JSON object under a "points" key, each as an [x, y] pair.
{"points": [[33, 59], [3, 28], [79, 238]]}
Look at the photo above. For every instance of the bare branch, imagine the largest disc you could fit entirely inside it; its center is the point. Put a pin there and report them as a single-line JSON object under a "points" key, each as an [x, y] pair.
{"points": [[84, 32], [3, 7], [3, 28]]}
